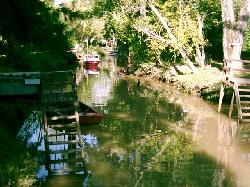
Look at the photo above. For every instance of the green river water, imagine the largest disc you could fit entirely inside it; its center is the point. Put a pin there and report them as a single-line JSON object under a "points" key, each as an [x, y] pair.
{"points": [[152, 136]]}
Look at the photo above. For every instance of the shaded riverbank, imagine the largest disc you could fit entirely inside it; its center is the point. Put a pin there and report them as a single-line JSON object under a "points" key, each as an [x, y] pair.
{"points": [[18, 165]]}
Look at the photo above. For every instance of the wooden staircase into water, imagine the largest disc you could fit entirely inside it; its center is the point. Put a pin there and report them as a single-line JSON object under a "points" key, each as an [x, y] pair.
{"points": [[63, 139]]}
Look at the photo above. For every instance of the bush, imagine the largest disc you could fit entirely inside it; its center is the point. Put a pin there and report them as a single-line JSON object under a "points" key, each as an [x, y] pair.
{"points": [[206, 80]]}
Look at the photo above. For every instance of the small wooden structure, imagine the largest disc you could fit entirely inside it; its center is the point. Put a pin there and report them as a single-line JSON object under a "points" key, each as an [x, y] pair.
{"points": [[19, 84], [237, 74], [58, 86], [63, 140]]}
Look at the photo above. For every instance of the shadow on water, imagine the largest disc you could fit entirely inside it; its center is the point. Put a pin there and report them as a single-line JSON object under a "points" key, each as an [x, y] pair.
{"points": [[153, 135]]}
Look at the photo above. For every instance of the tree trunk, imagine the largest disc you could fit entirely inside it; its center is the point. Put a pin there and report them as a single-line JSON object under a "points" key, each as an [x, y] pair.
{"points": [[200, 53], [239, 30], [233, 31], [172, 37]]}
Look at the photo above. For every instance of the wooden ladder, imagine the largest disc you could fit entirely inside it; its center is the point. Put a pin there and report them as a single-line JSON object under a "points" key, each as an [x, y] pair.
{"points": [[63, 140], [237, 74], [242, 97]]}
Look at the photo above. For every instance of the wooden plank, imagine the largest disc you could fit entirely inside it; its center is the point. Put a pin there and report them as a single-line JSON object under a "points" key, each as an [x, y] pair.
{"points": [[239, 70], [240, 81], [70, 125], [246, 120], [244, 90], [231, 105], [68, 151], [245, 108], [245, 114], [238, 102], [67, 171], [72, 160], [244, 96], [221, 96], [64, 142], [244, 102], [54, 118], [63, 134]]}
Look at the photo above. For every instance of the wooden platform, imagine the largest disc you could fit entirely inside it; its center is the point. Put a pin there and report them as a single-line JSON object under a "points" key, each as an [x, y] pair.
{"points": [[19, 84]]}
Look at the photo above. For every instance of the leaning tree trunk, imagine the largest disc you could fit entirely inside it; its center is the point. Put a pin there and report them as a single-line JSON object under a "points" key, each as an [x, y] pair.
{"points": [[172, 37], [200, 53], [233, 31]]}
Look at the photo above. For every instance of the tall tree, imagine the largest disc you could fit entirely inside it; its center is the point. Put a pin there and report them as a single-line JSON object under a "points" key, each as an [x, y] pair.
{"points": [[235, 17]]}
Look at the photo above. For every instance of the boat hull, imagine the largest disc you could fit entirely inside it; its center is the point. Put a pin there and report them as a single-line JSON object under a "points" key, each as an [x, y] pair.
{"points": [[90, 118], [91, 64], [62, 111]]}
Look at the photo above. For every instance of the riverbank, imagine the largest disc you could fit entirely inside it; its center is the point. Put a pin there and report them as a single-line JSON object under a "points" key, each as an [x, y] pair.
{"points": [[17, 166], [205, 83]]}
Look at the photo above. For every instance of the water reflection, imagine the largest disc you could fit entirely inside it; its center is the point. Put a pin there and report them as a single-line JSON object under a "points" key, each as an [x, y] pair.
{"points": [[158, 137], [153, 135]]}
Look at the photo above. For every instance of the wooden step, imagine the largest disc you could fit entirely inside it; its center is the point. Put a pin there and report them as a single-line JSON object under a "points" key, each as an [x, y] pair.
{"points": [[63, 134], [64, 142], [246, 120], [243, 90], [245, 114], [65, 151], [71, 160], [68, 125], [244, 102], [244, 96], [61, 117], [67, 171], [245, 108]]}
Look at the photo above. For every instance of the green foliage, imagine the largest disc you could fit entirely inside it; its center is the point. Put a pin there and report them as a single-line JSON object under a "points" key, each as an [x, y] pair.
{"points": [[206, 80], [211, 11], [17, 166], [27, 27]]}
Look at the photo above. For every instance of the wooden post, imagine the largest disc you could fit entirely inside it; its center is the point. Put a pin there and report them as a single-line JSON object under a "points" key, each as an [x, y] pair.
{"points": [[221, 96], [237, 96], [231, 106]]}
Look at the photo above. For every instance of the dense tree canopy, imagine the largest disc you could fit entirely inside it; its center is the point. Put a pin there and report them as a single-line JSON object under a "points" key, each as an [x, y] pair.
{"points": [[28, 27], [170, 31]]}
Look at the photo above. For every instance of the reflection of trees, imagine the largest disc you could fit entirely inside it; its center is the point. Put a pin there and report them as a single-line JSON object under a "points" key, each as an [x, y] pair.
{"points": [[17, 163], [95, 90], [152, 154], [233, 150], [147, 127], [28, 29]]}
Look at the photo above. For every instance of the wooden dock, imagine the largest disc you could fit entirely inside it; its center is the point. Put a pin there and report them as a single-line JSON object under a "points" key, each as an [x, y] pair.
{"points": [[21, 84], [49, 86]]}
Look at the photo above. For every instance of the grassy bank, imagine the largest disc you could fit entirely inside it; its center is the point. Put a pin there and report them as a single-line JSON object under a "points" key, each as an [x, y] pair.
{"points": [[205, 83]]}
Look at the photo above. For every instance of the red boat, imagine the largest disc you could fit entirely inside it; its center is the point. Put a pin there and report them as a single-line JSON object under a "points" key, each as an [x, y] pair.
{"points": [[93, 70], [91, 60], [88, 116]]}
